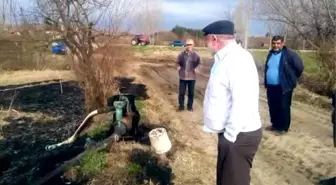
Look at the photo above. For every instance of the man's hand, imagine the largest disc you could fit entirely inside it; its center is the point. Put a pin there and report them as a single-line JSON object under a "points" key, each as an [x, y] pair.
{"points": [[207, 131], [178, 67], [197, 70]]}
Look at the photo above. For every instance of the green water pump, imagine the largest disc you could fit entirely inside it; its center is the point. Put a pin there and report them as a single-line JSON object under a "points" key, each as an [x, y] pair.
{"points": [[125, 120], [119, 127]]}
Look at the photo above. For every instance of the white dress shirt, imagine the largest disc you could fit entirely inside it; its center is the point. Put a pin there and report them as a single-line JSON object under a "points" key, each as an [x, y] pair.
{"points": [[231, 100]]}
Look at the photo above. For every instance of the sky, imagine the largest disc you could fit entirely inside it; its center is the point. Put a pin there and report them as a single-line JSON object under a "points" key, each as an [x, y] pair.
{"points": [[199, 13], [195, 14]]}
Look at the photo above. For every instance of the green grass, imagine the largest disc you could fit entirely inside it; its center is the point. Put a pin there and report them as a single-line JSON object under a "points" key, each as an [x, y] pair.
{"points": [[309, 60], [134, 169], [142, 49], [93, 162], [97, 131], [311, 67], [260, 55], [140, 104]]}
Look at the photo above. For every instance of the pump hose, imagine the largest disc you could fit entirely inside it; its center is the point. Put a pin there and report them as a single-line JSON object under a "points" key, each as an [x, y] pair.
{"points": [[128, 108], [79, 129]]}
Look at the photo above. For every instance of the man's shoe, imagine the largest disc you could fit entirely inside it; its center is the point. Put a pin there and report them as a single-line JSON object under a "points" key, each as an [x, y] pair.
{"points": [[180, 109], [330, 181], [270, 128], [190, 109], [280, 132]]}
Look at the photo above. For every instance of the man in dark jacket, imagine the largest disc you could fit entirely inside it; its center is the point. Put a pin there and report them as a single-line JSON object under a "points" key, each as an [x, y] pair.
{"points": [[332, 181], [282, 69]]}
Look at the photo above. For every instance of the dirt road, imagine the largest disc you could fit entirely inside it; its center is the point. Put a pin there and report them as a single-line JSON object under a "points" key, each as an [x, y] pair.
{"points": [[298, 158]]}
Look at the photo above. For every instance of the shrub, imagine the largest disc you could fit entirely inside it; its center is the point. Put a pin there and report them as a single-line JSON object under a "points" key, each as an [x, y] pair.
{"points": [[324, 80], [96, 76]]}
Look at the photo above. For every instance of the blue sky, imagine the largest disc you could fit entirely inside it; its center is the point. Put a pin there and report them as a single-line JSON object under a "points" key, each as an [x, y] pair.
{"points": [[195, 14], [199, 13]]}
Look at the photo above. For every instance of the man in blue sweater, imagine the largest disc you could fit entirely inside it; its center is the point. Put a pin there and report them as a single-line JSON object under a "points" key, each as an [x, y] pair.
{"points": [[282, 69]]}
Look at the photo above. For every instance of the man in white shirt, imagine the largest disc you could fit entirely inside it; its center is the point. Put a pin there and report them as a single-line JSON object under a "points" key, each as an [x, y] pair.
{"points": [[231, 104]]}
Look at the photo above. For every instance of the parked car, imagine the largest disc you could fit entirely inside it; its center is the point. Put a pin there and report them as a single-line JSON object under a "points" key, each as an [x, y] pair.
{"points": [[58, 47], [177, 43], [140, 40]]}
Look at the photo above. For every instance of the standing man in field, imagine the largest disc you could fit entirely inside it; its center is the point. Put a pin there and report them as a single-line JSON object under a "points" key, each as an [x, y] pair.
{"points": [[282, 69], [332, 181], [187, 64], [231, 105]]}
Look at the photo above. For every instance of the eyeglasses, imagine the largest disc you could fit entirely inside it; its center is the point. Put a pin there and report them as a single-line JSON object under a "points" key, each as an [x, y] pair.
{"points": [[189, 44]]}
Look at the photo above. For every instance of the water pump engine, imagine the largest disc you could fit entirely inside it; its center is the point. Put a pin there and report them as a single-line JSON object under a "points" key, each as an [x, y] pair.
{"points": [[126, 116]]}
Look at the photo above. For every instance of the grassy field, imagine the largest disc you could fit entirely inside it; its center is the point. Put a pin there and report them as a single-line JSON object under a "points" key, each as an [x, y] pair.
{"points": [[309, 58]]}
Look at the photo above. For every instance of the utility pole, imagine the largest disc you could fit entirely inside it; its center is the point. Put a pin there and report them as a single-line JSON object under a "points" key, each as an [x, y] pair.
{"points": [[248, 6], [3, 21], [247, 29]]}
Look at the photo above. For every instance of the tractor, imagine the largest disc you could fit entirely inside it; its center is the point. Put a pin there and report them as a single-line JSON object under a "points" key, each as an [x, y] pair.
{"points": [[140, 40]]}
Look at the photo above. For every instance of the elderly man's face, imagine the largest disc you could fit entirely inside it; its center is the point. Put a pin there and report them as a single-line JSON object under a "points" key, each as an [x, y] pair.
{"points": [[190, 47], [212, 42]]}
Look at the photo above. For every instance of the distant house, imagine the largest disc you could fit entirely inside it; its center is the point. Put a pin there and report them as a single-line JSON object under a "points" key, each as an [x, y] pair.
{"points": [[259, 43]]}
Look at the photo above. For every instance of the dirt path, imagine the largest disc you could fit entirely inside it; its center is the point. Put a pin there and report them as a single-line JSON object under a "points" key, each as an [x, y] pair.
{"points": [[298, 158]]}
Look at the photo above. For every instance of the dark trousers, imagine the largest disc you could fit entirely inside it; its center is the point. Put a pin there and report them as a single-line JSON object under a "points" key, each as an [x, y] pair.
{"points": [[333, 121], [190, 84], [279, 105], [234, 160], [331, 181]]}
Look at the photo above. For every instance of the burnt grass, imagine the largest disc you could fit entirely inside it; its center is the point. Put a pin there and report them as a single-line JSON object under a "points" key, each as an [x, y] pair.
{"points": [[23, 157], [25, 138]]}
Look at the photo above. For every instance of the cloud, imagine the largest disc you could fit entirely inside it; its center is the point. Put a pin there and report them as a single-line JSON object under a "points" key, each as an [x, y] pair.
{"points": [[189, 10], [199, 13]]}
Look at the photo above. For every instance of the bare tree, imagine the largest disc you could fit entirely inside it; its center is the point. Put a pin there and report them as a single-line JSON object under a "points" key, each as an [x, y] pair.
{"points": [[3, 12], [315, 21], [242, 17], [229, 12], [150, 17], [9, 12], [239, 19], [78, 23], [275, 28]]}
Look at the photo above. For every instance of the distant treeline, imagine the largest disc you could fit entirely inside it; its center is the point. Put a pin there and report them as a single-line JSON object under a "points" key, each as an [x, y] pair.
{"points": [[181, 31]]}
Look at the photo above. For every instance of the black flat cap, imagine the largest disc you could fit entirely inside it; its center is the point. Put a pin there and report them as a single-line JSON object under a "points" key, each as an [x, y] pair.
{"points": [[219, 27]]}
